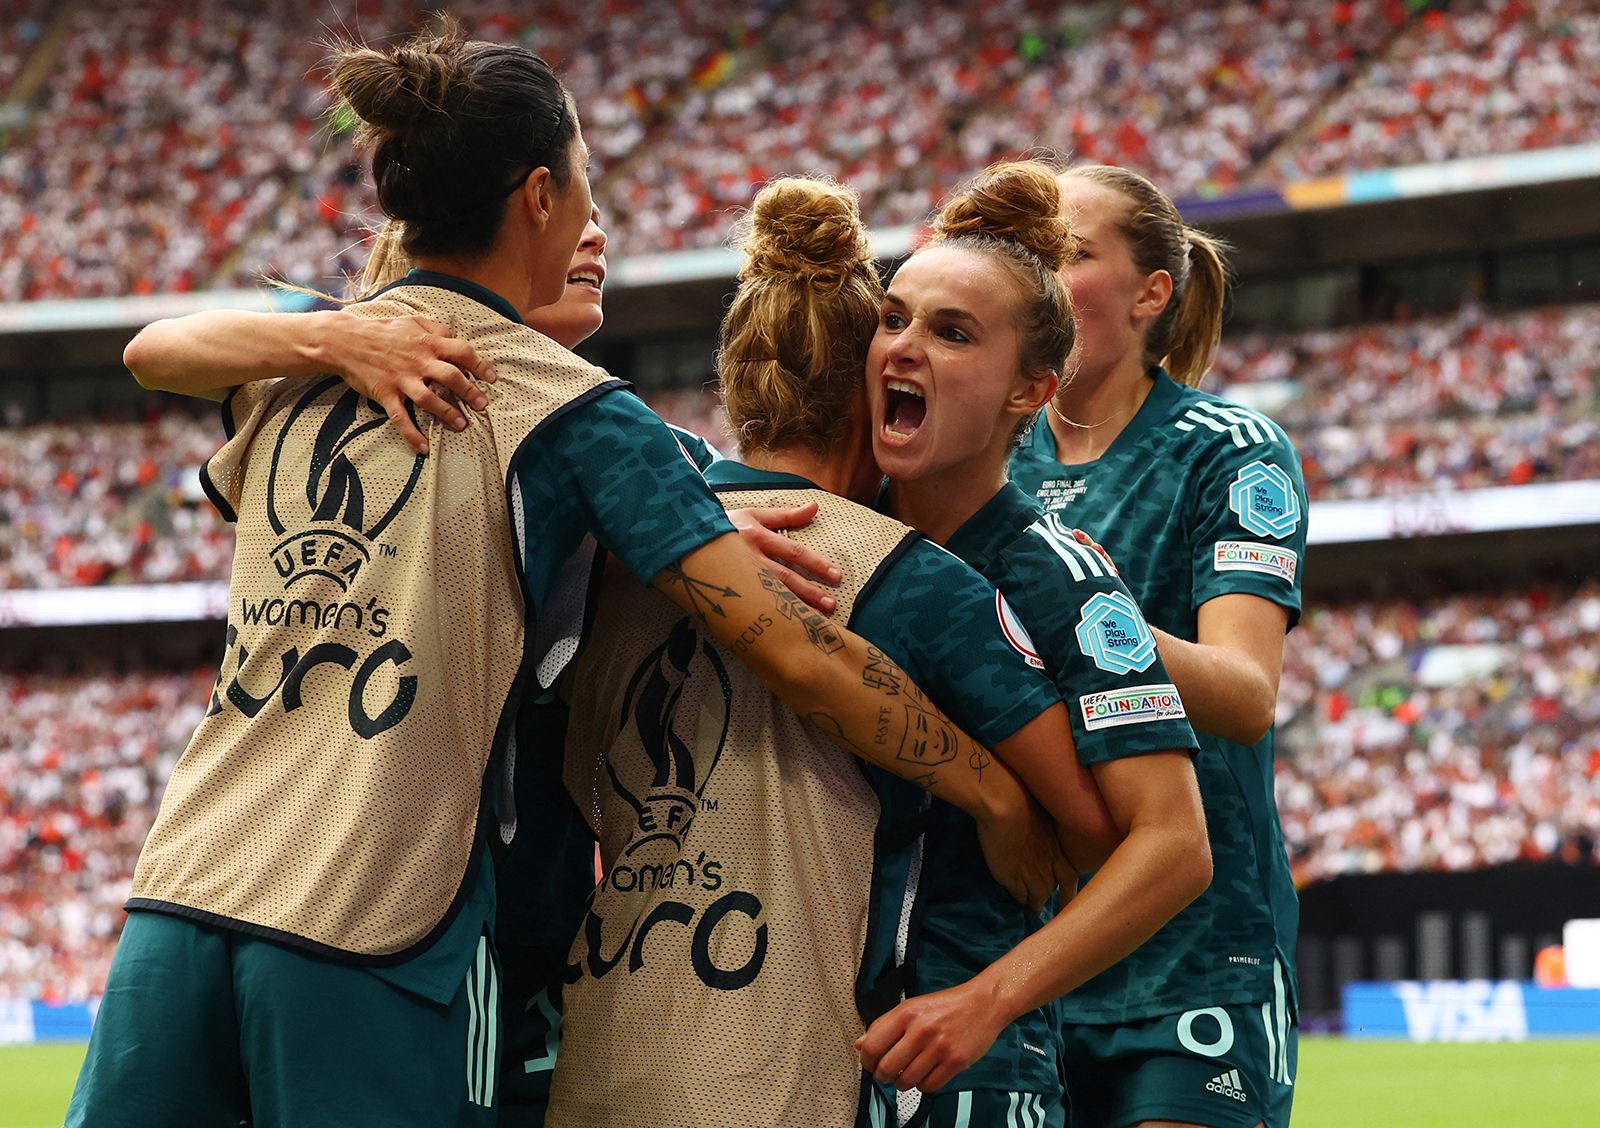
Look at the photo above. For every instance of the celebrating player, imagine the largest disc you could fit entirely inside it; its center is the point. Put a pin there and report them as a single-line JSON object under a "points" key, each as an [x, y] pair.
{"points": [[308, 940], [760, 888], [1202, 504], [974, 334]]}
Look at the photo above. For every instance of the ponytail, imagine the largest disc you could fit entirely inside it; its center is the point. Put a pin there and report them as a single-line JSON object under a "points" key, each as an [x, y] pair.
{"points": [[1196, 328]]}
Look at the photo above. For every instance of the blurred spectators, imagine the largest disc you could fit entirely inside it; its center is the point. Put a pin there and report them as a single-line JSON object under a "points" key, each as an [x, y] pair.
{"points": [[1476, 78], [181, 146], [1450, 403], [1446, 736], [82, 764], [94, 503], [1458, 734]]}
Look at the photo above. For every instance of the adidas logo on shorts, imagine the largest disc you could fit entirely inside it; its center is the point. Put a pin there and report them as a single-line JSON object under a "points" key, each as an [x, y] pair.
{"points": [[1228, 1084]]}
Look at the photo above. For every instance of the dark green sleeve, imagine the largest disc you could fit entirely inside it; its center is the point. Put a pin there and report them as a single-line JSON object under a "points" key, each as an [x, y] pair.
{"points": [[1247, 516], [611, 468], [951, 631], [1098, 649]]}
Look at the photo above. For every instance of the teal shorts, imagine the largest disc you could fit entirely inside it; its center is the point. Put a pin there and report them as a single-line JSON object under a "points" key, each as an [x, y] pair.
{"points": [[988, 1108], [207, 1027], [533, 1036], [1221, 1067]]}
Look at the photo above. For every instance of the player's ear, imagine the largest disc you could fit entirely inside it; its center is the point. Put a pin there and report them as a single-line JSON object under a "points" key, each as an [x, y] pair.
{"points": [[1153, 296], [538, 197], [1032, 391]]}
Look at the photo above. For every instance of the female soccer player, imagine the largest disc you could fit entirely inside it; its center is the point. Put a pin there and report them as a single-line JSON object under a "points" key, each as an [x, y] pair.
{"points": [[760, 889], [1203, 506], [975, 332], [308, 935]]}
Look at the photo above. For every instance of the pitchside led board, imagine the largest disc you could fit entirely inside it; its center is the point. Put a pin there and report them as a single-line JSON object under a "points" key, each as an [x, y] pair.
{"points": [[1483, 1010]]}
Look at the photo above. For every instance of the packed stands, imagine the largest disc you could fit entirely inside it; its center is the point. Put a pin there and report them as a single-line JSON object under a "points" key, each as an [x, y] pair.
{"points": [[94, 503], [82, 763], [1460, 733], [183, 146], [1468, 79], [1458, 402], [1471, 399]]}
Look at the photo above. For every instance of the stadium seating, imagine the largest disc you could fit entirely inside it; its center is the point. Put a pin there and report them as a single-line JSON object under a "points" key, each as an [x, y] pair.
{"points": [[82, 763], [1503, 400], [1446, 736], [180, 146], [1469, 79]]}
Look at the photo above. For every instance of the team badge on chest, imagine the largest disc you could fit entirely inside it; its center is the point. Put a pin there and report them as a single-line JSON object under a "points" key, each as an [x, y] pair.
{"points": [[1113, 633]]}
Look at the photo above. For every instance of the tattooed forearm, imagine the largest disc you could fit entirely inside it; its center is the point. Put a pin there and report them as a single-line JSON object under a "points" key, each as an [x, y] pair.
{"points": [[926, 738], [881, 673], [829, 724], [705, 596], [823, 635]]}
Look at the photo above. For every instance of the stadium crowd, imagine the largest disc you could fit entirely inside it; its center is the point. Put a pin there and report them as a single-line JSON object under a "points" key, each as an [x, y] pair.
{"points": [[1458, 734], [1471, 79], [1446, 736], [96, 503], [1469, 400], [181, 146], [82, 763], [1456, 402]]}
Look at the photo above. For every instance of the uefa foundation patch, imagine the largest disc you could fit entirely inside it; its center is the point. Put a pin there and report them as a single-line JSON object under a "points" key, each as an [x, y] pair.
{"points": [[1136, 705], [1263, 497], [1248, 556]]}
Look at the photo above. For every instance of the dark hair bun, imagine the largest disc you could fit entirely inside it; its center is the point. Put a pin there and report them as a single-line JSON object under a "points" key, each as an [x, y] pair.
{"points": [[390, 90], [804, 227], [1014, 201]]}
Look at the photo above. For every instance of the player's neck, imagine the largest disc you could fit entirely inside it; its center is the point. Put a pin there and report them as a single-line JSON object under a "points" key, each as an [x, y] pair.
{"points": [[501, 274], [1088, 413], [938, 504]]}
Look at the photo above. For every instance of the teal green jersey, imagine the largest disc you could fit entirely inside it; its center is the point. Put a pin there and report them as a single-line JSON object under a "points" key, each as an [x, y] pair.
{"points": [[1085, 628], [1195, 499], [942, 622], [700, 452]]}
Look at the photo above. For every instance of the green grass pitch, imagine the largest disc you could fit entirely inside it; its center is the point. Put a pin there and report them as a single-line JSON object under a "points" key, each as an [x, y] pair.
{"points": [[1341, 1084]]}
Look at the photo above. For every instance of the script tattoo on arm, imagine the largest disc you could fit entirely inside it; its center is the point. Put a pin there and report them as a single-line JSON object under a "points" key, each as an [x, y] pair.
{"points": [[923, 737], [704, 596], [819, 630]]}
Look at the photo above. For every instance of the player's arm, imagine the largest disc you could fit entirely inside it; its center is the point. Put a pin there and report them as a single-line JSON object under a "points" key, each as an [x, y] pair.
{"points": [[835, 679], [1229, 676], [1162, 864], [1045, 757], [392, 361]]}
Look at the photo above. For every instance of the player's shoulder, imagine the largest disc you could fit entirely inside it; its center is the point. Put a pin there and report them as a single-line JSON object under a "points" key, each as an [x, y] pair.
{"points": [[1204, 425], [1047, 550]]}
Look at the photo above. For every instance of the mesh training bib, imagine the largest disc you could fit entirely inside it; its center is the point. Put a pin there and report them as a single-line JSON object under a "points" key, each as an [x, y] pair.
{"points": [[714, 979], [375, 635]]}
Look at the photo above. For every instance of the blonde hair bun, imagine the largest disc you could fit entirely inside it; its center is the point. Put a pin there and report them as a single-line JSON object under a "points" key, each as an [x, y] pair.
{"points": [[1014, 201], [803, 227]]}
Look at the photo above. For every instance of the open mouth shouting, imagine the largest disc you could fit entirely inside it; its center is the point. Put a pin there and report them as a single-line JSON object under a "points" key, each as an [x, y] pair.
{"points": [[905, 407]]}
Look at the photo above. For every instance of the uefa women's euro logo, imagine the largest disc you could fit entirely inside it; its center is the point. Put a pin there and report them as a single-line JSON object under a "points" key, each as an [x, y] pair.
{"points": [[675, 724], [314, 481]]}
